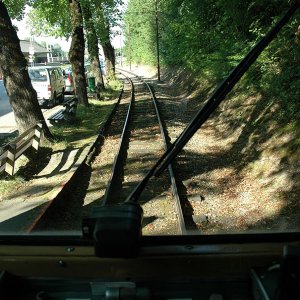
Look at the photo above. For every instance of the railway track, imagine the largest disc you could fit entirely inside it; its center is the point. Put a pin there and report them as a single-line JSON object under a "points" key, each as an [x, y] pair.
{"points": [[131, 143], [131, 151], [143, 142]]}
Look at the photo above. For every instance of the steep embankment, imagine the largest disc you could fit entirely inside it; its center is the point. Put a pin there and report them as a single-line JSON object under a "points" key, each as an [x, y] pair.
{"points": [[248, 161], [241, 169]]}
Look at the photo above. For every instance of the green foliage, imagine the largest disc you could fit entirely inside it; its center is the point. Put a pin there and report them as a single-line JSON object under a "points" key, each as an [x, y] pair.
{"points": [[106, 15], [50, 18], [209, 37], [140, 31], [204, 36], [16, 8]]}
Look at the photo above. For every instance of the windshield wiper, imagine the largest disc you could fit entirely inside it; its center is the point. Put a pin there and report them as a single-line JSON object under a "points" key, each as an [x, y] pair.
{"points": [[117, 229]]}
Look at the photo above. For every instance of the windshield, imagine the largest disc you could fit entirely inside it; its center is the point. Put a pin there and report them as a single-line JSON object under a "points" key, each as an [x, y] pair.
{"points": [[190, 111], [38, 74]]}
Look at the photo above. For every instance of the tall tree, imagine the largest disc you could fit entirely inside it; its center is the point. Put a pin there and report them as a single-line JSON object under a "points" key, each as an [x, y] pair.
{"points": [[107, 16], [76, 53], [92, 44], [22, 96], [109, 52]]}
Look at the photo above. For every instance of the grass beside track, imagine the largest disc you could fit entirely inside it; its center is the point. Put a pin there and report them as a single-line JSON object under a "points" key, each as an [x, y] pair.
{"points": [[69, 135], [83, 129]]}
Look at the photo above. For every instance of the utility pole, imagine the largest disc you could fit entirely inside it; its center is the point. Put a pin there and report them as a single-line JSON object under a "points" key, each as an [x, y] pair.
{"points": [[129, 46], [157, 41], [121, 52]]}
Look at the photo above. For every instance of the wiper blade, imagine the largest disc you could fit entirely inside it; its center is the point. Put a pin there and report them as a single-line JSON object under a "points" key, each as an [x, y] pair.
{"points": [[213, 102]]}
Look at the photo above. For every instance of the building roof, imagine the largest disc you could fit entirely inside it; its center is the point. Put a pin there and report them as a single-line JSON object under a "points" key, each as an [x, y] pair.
{"points": [[37, 48]]}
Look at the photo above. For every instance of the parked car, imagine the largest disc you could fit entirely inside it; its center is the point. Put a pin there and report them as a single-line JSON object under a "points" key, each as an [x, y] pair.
{"points": [[88, 69], [102, 65], [49, 84], [69, 82]]}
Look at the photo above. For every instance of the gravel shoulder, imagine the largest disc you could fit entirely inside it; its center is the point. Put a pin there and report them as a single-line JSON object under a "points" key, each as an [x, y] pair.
{"points": [[237, 170]]}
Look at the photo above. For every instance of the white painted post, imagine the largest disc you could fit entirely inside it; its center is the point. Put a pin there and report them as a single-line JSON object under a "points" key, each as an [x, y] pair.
{"points": [[37, 136], [10, 159]]}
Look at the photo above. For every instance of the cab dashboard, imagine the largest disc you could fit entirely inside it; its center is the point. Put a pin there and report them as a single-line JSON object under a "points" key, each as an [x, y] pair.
{"points": [[165, 267]]}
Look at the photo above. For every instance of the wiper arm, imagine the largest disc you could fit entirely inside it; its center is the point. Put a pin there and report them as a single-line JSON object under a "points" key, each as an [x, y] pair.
{"points": [[213, 102]]}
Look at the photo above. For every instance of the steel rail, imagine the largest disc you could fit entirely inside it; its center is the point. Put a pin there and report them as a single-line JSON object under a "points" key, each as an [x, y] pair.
{"points": [[104, 128], [181, 221], [180, 216], [94, 148], [110, 192]]}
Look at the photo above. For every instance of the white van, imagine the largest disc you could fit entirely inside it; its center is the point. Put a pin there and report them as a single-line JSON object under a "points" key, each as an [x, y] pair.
{"points": [[49, 84]]}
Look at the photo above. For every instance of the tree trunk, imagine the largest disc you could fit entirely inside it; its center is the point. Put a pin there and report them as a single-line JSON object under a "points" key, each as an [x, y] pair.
{"points": [[92, 44], [76, 53], [97, 71], [22, 96], [109, 53]]}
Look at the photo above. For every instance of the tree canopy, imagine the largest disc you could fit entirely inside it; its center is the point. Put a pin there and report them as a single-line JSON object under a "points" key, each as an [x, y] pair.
{"points": [[45, 19], [16, 8]]}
